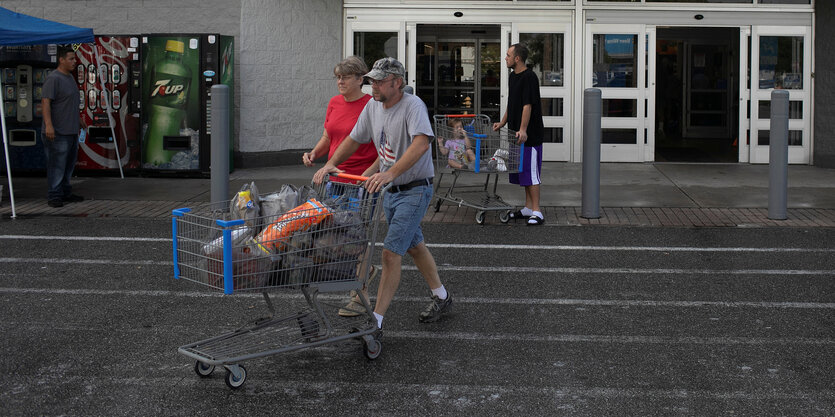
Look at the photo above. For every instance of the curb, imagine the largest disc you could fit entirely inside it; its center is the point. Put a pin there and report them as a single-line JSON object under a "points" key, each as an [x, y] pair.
{"points": [[448, 214]]}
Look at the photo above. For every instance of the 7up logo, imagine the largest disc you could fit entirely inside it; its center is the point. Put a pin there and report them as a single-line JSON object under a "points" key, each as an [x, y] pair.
{"points": [[163, 88]]}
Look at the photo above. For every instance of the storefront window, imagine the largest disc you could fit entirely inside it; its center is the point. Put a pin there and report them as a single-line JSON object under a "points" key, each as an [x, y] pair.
{"points": [[619, 136], [795, 109], [699, 1], [620, 107], [546, 56], [795, 137], [372, 46], [781, 62], [615, 60], [552, 107]]}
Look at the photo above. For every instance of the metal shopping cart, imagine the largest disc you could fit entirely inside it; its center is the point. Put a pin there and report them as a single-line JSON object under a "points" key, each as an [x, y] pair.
{"points": [[467, 143], [325, 245]]}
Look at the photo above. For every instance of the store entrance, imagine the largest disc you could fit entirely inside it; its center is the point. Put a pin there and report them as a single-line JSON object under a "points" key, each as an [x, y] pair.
{"points": [[458, 69], [697, 91]]}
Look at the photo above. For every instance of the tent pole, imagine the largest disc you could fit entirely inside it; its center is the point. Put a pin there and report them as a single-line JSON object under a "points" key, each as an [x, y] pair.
{"points": [[6, 148], [110, 120]]}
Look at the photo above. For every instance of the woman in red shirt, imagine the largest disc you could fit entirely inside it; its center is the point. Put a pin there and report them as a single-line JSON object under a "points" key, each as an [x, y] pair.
{"points": [[340, 118]]}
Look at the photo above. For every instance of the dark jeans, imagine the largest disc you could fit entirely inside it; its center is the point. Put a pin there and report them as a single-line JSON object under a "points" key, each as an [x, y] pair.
{"points": [[61, 154]]}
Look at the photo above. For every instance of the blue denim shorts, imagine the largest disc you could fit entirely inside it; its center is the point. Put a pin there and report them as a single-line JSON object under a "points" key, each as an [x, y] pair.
{"points": [[404, 211]]}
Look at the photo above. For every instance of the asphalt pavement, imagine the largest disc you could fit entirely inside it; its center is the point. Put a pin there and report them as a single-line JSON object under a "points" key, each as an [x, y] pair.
{"points": [[582, 321]]}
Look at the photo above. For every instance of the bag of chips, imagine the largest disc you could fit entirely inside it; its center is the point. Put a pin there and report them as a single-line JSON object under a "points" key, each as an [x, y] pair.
{"points": [[274, 238]]}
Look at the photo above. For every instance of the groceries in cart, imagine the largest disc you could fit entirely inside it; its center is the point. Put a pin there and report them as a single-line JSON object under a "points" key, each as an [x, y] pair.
{"points": [[498, 162], [319, 238], [309, 239]]}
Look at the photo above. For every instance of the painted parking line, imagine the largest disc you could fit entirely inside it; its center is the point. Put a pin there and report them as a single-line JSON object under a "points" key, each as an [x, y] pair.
{"points": [[128, 239], [287, 296], [454, 268]]}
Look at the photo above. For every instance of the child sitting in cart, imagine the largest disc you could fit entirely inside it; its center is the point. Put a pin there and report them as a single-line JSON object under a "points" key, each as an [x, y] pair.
{"points": [[457, 149]]}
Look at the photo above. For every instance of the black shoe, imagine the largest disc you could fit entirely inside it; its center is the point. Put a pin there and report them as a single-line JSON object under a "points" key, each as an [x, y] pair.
{"points": [[73, 198], [535, 221], [55, 203], [516, 215], [436, 309]]}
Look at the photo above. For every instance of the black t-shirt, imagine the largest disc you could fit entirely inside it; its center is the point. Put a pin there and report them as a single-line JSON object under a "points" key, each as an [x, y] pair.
{"points": [[524, 89]]}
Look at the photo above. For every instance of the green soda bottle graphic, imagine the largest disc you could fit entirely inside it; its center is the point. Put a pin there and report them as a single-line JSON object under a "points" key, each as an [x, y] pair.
{"points": [[170, 82]]}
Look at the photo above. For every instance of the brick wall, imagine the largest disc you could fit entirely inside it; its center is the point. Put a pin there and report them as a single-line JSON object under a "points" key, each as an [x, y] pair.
{"points": [[288, 50], [824, 152]]}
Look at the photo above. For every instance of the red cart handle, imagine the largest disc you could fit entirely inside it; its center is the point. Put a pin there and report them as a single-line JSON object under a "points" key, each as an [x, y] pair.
{"points": [[350, 176], [459, 115]]}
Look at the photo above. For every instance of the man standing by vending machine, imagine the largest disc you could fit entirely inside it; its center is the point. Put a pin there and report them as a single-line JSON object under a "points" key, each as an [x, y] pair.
{"points": [[61, 126]]}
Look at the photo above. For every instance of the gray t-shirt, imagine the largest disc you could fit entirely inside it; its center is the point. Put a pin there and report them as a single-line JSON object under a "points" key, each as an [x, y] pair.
{"points": [[63, 93], [392, 131]]}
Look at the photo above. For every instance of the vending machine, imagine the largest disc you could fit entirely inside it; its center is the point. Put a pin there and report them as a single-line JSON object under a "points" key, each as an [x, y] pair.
{"points": [[24, 69], [178, 72], [113, 80]]}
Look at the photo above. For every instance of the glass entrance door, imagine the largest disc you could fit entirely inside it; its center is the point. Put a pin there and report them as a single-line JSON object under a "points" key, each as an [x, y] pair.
{"points": [[616, 63], [550, 59], [458, 69], [374, 40], [781, 59]]}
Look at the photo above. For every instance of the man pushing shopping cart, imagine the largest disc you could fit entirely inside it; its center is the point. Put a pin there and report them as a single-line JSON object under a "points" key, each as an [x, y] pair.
{"points": [[399, 126]]}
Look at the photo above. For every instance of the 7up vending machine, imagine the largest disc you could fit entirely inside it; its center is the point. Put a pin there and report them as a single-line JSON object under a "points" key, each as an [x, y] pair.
{"points": [[178, 72]]}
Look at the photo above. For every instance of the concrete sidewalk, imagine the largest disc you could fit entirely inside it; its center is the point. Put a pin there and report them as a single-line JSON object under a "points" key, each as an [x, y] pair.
{"points": [[631, 194]]}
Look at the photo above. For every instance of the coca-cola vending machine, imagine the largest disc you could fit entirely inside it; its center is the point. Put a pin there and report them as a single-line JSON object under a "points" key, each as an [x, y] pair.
{"points": [[114, 78]]}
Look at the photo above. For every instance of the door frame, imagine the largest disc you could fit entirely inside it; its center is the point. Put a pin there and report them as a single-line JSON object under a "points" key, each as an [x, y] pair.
{"points": [[759, 154], [643, 93], [553, 151]]}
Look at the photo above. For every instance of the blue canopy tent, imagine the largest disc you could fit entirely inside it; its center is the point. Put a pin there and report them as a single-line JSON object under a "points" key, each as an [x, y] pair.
{"points": [[20, 29]]}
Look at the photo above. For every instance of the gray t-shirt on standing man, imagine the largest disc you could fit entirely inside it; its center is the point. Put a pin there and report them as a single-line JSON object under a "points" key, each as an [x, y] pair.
{"points": [[392, 131], [62, 90]]}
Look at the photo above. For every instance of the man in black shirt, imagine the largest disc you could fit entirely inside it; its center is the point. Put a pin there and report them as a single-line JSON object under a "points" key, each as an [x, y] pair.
{"points": [[524, 115]]}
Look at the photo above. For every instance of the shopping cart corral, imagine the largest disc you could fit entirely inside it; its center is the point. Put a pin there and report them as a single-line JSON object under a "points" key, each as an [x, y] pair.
{"points": [[324, 245], [467, 145]]}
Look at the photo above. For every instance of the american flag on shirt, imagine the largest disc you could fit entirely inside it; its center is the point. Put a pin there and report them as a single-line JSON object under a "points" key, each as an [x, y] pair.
{"points": [[387, 156]]}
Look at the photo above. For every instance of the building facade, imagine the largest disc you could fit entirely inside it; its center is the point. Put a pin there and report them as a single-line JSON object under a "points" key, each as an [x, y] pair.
{"points": [[681, 80]]}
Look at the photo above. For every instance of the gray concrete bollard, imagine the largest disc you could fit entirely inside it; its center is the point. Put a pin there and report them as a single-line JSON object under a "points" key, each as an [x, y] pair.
{"points": [[220, 145], [592, 112], [778, 156]]}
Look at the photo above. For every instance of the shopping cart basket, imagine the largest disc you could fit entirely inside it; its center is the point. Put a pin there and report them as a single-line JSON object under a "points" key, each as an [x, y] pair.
{"points": [[478, 150], [325, 245]]}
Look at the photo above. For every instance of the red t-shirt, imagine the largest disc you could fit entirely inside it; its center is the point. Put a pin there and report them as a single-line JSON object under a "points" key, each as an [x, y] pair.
{"points": [[340, 119]]}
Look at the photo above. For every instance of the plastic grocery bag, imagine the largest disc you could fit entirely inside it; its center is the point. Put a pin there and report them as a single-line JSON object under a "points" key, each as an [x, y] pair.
{"points": [[274, 204], [245, 205], [251, 266]]}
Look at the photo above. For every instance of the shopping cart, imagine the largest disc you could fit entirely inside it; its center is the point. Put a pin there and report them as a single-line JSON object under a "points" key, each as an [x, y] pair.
{"points": [[478, 150], [322, 247]]}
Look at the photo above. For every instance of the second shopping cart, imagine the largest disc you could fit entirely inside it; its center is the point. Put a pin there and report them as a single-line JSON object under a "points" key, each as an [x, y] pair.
{"points": [[467, 145]]}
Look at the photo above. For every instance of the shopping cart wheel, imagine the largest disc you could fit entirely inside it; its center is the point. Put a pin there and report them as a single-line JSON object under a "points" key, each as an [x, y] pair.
{"points": [[479, 217], [504, 216], [438, 205], [235, 382], [373, 348], [203, 369]]}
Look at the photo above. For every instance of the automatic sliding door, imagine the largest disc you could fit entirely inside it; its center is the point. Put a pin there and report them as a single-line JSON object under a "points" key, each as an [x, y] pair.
{"points": [[549, 57], [781, 59], [616, 64]]}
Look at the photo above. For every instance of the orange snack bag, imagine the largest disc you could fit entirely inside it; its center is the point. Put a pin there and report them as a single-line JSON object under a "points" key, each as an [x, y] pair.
{"points": [[274, 237]]}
